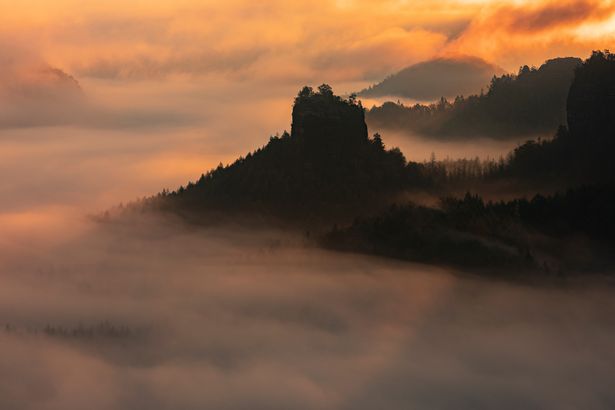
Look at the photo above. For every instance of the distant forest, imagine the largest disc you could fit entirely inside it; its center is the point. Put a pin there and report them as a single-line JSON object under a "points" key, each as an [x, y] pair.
{"points": [[327, 171], [530, 103], [470, 232]]}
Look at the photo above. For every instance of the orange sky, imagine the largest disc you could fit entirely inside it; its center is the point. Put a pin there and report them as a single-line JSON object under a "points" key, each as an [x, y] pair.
{"points": [[294, 41]]}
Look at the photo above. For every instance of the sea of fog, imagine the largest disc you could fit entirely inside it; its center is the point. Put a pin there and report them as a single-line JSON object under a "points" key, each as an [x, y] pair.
{"points": [[152, 314], [155, 315]]}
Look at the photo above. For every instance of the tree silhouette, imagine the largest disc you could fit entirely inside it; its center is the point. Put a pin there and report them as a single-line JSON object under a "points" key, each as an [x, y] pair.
{"points": [[531, 102], [326, 166]]}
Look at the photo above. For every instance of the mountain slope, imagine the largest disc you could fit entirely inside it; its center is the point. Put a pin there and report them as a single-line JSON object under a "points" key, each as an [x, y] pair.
{"points": [[572, 230], [530, 103], [326, 166], [433, 79]]}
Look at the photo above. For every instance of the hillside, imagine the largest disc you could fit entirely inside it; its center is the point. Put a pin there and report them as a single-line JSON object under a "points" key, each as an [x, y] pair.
{"points": [[533, 102], [583, 151], [520, 233], [324, 167], [433, 79]]}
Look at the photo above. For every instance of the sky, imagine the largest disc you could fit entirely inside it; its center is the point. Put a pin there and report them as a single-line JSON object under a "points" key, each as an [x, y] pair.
{"points": [[298, 41], [103, 102]]}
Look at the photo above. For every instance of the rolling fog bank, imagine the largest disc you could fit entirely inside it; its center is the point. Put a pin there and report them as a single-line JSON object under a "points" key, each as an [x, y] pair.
{"points": [[159, 316], [419, 148]]}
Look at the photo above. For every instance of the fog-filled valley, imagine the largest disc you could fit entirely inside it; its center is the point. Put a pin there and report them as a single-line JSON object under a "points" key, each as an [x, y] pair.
{"points": [[158, 315], [198, 211]]}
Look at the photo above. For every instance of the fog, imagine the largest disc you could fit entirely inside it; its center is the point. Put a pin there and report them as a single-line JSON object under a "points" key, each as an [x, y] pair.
{"points": [[419, 148], [156, 315], [153, 314]]}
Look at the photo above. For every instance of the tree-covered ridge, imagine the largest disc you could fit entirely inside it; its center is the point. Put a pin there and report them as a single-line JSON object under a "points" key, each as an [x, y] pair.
{"points": [[329, 166], [584, 151], [520, 232], [328, 171], [579, 155], [326, 165], [471, 232], [591, 102], [529, 103]]}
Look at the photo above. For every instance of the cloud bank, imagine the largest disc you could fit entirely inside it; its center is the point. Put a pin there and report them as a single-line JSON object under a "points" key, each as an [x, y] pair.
{"points": [[152, 315]]}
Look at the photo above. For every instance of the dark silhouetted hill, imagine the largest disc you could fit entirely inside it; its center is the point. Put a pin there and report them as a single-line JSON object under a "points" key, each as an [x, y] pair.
{"points": [[574, 229], [532, 102], [326, 166], [327, 170], [430, 80], [545, 232], [584, 152], [591, 102]]}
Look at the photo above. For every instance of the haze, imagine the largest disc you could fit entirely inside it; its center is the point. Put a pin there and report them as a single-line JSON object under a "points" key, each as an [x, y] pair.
{"points": [[159, 315], [152, 315]]}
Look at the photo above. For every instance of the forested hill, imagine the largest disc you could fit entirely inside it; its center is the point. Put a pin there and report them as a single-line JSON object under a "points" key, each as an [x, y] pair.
{"points": [[328, 167], [530, 103], [328, 172], [583, 152], [430, 80], [325, 166], [568, 231]]}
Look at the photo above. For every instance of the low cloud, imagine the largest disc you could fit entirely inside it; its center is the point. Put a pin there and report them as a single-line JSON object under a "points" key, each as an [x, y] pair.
{"points": [[151, 67], [553, 15], [153, 315], [303, 41], [395, 47], [35, 94]]}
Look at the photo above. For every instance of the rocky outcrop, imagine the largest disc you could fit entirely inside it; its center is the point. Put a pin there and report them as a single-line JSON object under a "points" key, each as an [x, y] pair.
{"points": [[591, 100]]}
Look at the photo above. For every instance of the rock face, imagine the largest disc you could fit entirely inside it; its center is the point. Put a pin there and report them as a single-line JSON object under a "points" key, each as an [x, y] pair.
{"points": [[324, 118], [591, 100], [560, 70], [583, 153]]}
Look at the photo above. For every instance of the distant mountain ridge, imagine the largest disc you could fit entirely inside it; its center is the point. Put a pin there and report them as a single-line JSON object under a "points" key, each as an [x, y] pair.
{"points": [[530, 103], [572, 230], [440, 77]]}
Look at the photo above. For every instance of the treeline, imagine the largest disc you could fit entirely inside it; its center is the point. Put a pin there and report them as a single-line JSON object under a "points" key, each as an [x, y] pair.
{"points": [[574, 229], [529, 103], [328, 171], [328, 166], [522, 233], [583, 151], [325, 168]]}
